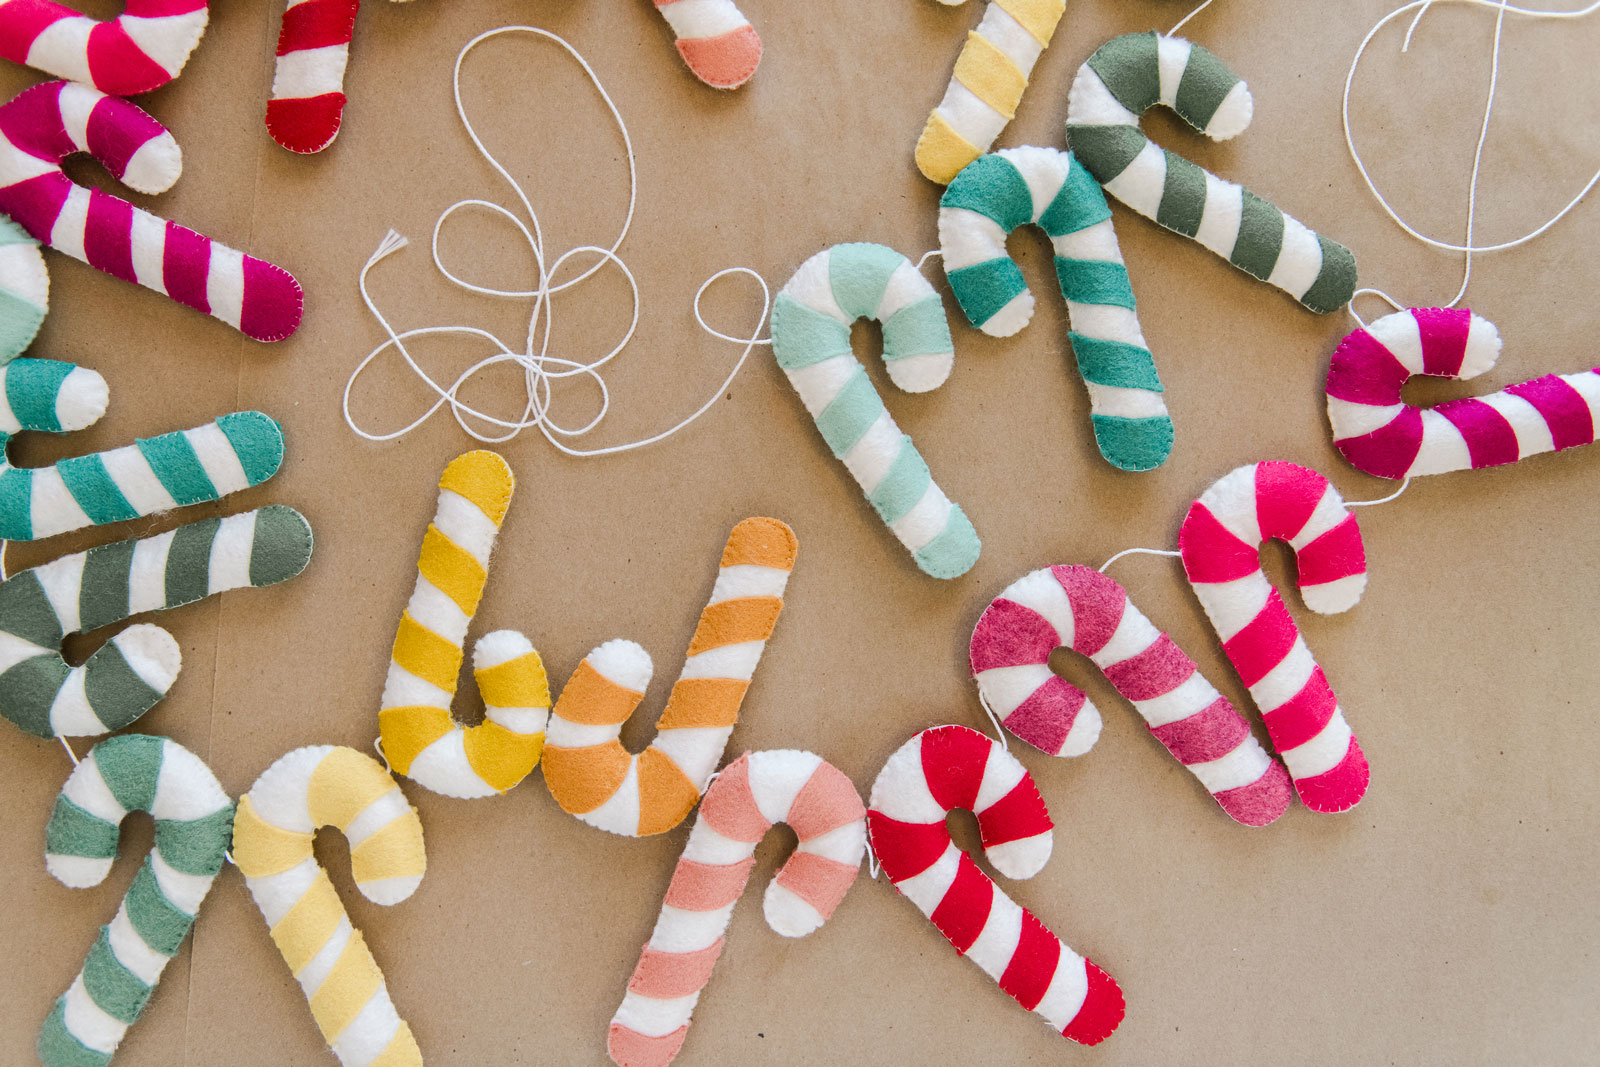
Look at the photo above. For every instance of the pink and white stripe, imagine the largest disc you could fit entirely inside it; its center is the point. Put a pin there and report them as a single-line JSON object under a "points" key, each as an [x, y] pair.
{"points": [[1221, 544], [1082, 609], [714, 39], [142, 49], [752, 793], [308, 98], [949, 767], [41, 126]]}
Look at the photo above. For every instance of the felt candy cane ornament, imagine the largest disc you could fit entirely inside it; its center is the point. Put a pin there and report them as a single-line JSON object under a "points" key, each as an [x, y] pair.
{"points": [[322, 785], [1126, 77], [949, 767], [308, 98], [811, 320], [1221, 543], [420, 738], [24, 289], [1081, 609], [129, 674], [42, 126], [1046, 187], [194, 821], [141, 49], [715, 40], [752, 793], [1381, 434], [586, 768]]}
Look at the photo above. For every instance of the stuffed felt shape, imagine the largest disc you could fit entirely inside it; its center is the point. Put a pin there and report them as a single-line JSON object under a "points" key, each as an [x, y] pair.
{"points": [[45, 124], [24, 290], [307, 104], [194, 822], [752, 793], [714, 38], [141, 49], [322, 785], [1381, 434], [1126, 77]]}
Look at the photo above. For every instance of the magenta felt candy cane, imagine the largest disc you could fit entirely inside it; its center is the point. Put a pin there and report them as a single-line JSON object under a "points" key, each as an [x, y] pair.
{"points": [[1381, 434], [714, 39], [1221, 544], [1082, 609], [142, 49], [951, 767]]}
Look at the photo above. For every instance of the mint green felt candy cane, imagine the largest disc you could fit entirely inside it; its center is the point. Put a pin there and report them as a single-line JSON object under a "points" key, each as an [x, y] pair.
{"points": [[24, 289]]}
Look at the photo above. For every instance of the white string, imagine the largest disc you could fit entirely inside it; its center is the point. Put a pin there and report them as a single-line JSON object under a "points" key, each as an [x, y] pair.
{"points": [[998, 728], [541, 370], [1381, 500], [71, 755], [1137, 551], [377, 746], [929, 254], [1179, 24]]}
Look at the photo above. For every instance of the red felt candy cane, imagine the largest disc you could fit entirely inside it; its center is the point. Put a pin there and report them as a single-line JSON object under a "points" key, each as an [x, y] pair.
{"points": [[308, 98]]}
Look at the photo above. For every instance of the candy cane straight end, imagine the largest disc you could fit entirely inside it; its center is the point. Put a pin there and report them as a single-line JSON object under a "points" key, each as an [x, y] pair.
{"points": [[1340, 789], [307, 124], [725, 61], [1103, 1008], [629, 1048]]}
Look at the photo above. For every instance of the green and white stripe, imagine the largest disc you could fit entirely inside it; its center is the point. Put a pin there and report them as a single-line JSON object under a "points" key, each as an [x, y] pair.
{"points": [[993, 196], [127, 676], [1130, 74], [194, 823], [811, 320], [152, 475], [24, 289]]}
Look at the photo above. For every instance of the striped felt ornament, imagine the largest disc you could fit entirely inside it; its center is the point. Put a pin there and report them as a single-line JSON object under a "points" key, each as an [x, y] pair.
{"points": [[141, 49], [421, 739], [799, 789], [987, 84], [194, 821], [24, 290], [307, 104], [1126, 77], [129, 674], [586, 768], [312, 787], [1047, 188], [715, 40], [949, 767], [42, 126], [811, 320], [1381, 434]]}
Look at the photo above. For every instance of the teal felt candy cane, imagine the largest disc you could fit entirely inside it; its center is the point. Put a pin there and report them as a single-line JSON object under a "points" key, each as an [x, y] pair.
{"points": [[24, 289], [1126, 77], [995, 194], [194, 823]]}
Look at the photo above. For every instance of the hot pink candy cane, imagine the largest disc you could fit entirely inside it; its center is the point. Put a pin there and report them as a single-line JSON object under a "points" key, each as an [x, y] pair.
{"points": [[1221, 544], [142, 49], [714, 39], [308, 98], [1082, 609], [949, 767], [1381, 434], [43, 125]]}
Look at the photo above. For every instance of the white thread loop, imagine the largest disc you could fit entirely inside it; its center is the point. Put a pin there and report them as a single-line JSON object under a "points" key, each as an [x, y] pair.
{"points": [[71, 755], [929, 254], [1137, 552], [998, 728], [1381, 500], [1179, 24], [377, 746]]}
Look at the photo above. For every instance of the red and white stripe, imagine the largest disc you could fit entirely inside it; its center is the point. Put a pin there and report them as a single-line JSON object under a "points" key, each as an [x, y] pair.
{"points": [[949, 767], [41, 126], [752, 793], [714, 39], [1082, 609], [1221, 544], [308, 80], [142, 49]]}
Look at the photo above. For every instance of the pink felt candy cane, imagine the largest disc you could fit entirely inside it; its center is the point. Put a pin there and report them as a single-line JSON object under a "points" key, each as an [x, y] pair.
{"points": [[142, 49], [949, 767], [43, 125], [1381, 434], [308, 80], [1221, 544], [754, 791], [714, 39], [1082, 609]]}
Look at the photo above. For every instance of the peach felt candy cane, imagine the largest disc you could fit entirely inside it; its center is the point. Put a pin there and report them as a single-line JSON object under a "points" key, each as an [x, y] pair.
{"points": [[714, 39], [141, 49]]}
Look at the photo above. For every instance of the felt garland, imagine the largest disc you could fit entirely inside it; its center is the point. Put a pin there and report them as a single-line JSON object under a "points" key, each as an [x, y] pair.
{"points": [[586, 768], [1381, 434], [949, 767], [1221, 543], [24, 289], [141, 49], [811, 320], [1082, 609], [316, 786], [194, 821], [129, 674], [420, 738], [307, 103], [1126, 77], [752, 793], [715, 40], [986, 86], [45, 124], [1046, 187]]}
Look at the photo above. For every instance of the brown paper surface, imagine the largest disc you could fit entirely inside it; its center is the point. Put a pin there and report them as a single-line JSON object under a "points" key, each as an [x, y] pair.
{"points": [[1449, 918]]}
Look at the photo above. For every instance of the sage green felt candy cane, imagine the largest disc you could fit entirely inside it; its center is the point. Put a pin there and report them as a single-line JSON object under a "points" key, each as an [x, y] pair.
{"points": [[24, 289]]}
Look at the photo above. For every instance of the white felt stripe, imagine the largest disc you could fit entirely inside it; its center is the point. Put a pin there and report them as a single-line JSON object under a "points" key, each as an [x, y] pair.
{"points": [[61, 583], [1231, 606], [706, 845], [695, 749], [620, 813], [1243, 766], [138, 482], [1172, 59], [439, 613], [1133, 635], [167, 40], [1402, 336], [228, 565], [967, 238], [1092, 242], [871, 458], [310, 72], [71, 714], [694, 19], [1350, 419], [1040, 592], [1329, 512], [1532, 432], [1221, 217], [677, 930], [1041, 169], [1284, 681], [901, 791], [1007, 34], [747, 580], [279, 795], [317, 969], [729, 661], [370, 1032], [812, 285], [1141, 183], [976, 122], [1024, 857], [1068, 989], [1443, 448], [1232, 500], [651, 1017], [928, 888], [1193, 694], [147, 574], [375, 816], [1115, 401], [86, 788], [66, 235], [52, 508], [1323, 752], [843, 844], [388, 891], [183, 891], [62, 48], [218, 459], [1299, 258], [562, 733], [465, 523], [19, 165], [403, 689], [518, 720], [820, 382], [997, 942], [776, 778], [185, 787], [131, 951], [1090, 103], [77, 872], [926, 520], [1001, 773], [276, 894], [85, 1020], [1005, 688], [77, 101], [225, 284], [13, 650], [443, 766], [906, 286]]}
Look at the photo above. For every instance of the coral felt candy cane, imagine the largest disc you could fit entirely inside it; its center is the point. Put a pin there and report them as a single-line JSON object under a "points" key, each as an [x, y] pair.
{"points": [[949, 767], [987, 84], [141, 49], [1130, 74], [420, 738], [308, 98], [1221, 544], [811, 320], [714, 39], [41, 126], [752, 793], [1381, 434], [1081, 609], [588, 771], [194, 821], [129, 674], [24, 290], [1046, 187], [321, 785]]}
